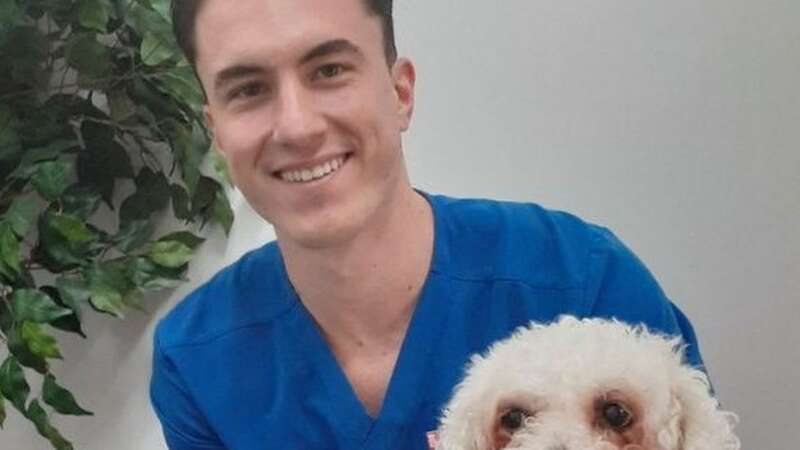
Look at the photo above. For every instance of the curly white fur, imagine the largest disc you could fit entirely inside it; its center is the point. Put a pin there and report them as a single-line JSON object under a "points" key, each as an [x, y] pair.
{"points": [[557, 373]]}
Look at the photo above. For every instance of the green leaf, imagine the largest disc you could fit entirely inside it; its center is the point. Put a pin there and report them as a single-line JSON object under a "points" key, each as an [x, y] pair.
{"points": [[29, 166], [121, 106], [28, 49], [172, 254], [107, 286], [188, 239], [9, 139], [88, 56], [205, 195], [61, 399], [134, 299], [153, 194], [162, 7], [155, 50], [47, 126], [182, 83], [72, 228], [19, 348], [147, 275], [80, 201], [48, 152], [10, 14], [39, 343], [69, 323], [73, 291], [6, 320], [103, 160], [64, 13], [50, 178], [35, 306], [180, 202], [218, 165], [154, 103], [133, 235], [13, 385], [22, 213], [154, 186], [93, 14], [108, 300], [65, 242], [222, 212], [135, 208], [10, 261], [190, 146], [143, 19], [38, 416]]}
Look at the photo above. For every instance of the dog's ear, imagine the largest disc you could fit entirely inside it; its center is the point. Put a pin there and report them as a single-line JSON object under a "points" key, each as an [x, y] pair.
{"points": [[695, 420], [466, 422]]}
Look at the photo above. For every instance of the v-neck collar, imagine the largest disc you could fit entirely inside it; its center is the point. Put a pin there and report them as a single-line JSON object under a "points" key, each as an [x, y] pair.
{"points": [[408, 375]]}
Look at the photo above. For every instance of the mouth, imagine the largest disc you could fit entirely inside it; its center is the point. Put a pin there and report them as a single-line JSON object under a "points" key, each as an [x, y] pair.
{"points": [[313, 173]]}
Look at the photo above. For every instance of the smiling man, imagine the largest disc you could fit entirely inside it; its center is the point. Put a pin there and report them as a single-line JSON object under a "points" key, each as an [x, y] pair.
{"points": [[351, 330]]}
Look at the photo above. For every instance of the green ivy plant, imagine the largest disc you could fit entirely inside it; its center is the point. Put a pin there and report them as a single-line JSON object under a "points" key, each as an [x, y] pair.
{"points": [[100, 133]]}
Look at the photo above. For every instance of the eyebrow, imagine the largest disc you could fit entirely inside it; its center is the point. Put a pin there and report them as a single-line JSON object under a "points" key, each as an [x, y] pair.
{"points": [[324, 49], [329, 48], [237, 72]]}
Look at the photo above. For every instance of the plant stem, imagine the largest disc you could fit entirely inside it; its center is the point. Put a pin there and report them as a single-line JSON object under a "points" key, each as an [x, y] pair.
{"points": [[110, 123]]}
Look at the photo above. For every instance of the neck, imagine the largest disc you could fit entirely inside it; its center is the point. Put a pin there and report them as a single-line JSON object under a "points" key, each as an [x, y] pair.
{"points": [[362, 292]]}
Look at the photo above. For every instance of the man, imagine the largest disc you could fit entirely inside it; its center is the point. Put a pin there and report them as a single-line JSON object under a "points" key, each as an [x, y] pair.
{"points": [[352, 329]]}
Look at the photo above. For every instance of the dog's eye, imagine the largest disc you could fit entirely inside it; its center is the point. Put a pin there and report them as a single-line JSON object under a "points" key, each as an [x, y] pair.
{"points": [[616, 416], [513, 418]]}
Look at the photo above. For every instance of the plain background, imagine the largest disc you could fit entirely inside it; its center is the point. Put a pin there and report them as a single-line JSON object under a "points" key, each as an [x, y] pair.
{"points": [[676, 124]]}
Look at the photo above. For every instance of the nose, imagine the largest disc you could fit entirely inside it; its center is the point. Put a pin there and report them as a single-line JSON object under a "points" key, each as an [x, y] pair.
{"points": [[298, 125]]}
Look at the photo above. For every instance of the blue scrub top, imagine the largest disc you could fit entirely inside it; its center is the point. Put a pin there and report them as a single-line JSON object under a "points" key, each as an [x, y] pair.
{"points": [[240, 364]]}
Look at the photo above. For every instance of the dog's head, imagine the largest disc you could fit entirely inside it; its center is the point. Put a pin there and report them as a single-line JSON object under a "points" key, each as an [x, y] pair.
{"points": [[588, 384]]}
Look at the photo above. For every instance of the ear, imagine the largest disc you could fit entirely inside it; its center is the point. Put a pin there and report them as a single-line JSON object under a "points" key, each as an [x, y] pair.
{"points": [[404, 78], [466, 423], [696, 421]]}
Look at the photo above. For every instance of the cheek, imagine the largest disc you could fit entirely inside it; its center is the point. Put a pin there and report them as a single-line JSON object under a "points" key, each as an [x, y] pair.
{"points": [[241, 139], [365, 111]]}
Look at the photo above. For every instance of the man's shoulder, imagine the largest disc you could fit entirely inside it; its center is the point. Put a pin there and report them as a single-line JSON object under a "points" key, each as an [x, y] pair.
{"points": [[493, 213], [247, 293], [516, 240]]}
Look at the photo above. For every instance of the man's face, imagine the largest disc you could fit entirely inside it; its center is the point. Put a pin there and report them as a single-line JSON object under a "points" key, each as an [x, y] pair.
{"points": [[306, 111]]}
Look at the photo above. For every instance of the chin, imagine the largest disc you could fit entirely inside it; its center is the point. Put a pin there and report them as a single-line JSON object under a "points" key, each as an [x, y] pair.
{"points": [[320, 230], [588, 384]]}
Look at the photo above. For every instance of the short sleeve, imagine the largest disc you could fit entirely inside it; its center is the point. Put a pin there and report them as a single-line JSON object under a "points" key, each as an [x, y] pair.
{"points": [[184, 426], [620, 286]]}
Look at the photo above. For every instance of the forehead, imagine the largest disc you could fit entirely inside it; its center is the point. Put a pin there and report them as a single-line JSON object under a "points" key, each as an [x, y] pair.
{"points": [[278, 29]]}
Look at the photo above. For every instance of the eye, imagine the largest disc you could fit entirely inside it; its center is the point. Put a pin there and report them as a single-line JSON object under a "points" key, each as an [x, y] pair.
{"points": [[513, 419], [329, 71], [616, 415], [245, 91]]}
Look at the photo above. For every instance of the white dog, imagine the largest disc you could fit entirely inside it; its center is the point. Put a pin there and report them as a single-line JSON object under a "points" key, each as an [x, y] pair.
{"points": [[586, 384]]}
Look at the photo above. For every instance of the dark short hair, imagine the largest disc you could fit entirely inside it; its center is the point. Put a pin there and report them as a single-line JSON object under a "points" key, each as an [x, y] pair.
{"points": [[184, 14]]}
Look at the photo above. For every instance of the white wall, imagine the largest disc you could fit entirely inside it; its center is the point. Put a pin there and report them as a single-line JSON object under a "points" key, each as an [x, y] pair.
{"points": [[677, 124]]}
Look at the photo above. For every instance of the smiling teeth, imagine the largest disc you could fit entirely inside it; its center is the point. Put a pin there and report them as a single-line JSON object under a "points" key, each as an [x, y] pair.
{"points": [[313, 173]]}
